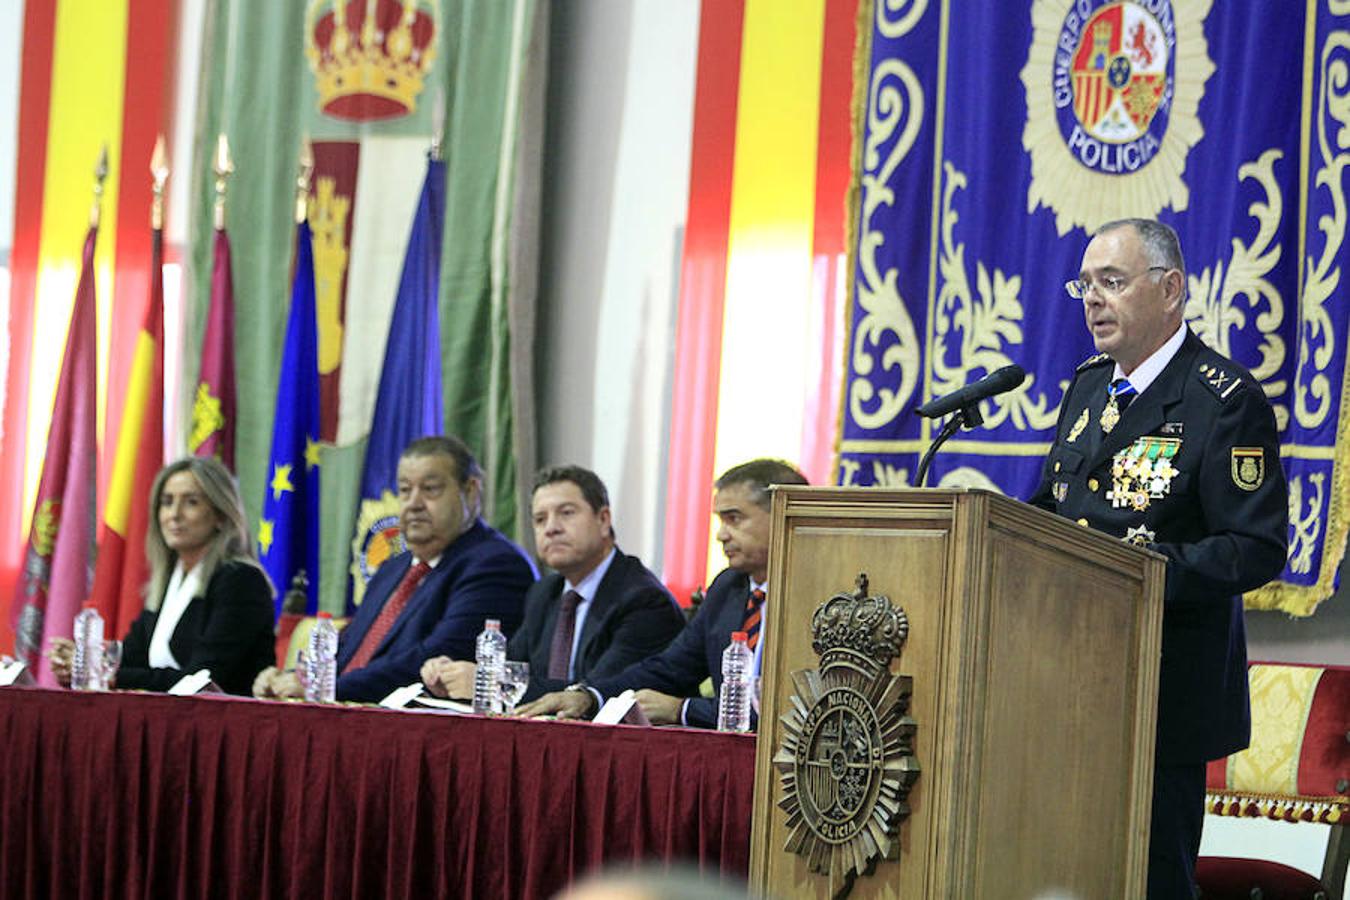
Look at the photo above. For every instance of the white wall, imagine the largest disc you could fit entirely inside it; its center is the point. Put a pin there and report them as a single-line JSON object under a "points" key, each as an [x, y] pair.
{"points": [[616, 176]]}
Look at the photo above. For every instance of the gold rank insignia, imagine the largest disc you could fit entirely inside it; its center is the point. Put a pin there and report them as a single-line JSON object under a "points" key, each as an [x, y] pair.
{"points": [[1143, 472], [1249, 467], [1078, 426]]}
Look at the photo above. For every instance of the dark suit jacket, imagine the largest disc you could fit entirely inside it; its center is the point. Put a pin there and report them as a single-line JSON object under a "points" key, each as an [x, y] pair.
{"points": [[480, 576], [694, 655], [1221, 535], [228, 629], [631, 617]]}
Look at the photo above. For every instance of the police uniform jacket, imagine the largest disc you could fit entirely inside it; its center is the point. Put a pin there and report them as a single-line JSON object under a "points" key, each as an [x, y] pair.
{"points": [[1191, 470]]}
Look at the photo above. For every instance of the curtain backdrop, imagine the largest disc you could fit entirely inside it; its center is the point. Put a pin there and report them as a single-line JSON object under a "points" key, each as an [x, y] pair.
{"points": [[995, 136]]}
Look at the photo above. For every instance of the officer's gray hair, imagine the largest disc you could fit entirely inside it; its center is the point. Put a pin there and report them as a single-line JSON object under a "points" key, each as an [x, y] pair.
{"points": [[1161, 244]]}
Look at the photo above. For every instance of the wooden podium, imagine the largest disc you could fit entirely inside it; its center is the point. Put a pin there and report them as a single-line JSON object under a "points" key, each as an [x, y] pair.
{"points": [[1031, 667]]}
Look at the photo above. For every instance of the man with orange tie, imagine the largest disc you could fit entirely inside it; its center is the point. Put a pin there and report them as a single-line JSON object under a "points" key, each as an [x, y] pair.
{"points": [[667, 684], [598, 612], [434, 598]]}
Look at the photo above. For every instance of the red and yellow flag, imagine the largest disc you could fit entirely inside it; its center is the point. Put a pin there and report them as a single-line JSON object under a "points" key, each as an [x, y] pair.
{"points": [[122, 568]]}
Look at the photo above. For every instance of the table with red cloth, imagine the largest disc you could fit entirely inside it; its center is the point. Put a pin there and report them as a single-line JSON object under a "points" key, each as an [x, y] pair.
{"points": [[147, 795]]}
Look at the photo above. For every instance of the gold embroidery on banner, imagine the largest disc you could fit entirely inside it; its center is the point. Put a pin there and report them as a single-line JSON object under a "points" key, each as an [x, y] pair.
{"points": [[207, 417], [985, 326], [328, 218], [1212, 311], [1317, 339], [1307, 526], [877, 292], [1078, 195], [901, 24]]}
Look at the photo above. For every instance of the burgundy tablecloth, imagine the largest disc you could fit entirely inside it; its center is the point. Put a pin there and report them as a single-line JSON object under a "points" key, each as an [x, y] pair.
{"points": [[133, 795]]}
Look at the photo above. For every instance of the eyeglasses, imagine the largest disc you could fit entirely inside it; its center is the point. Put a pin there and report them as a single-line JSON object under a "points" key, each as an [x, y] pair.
{"points": [[1109, 285]]}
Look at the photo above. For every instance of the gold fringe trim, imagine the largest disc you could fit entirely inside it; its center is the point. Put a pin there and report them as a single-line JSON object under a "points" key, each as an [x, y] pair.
{"points": [[862, 69], [1279, 808], [1302, 600]]}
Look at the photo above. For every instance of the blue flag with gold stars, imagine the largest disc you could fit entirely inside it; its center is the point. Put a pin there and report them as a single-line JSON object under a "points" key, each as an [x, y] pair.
{"points": [[288, 536], [408, 405]]}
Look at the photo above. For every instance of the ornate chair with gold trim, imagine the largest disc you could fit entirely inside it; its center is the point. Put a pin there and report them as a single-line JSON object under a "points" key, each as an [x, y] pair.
{"points": [[1296, 770]]}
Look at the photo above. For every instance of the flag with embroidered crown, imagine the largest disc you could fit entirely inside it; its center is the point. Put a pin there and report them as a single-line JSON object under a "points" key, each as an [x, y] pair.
{"points": [[215, 401], [122, 569], [288, 534], [408, 405], [59, 558]]}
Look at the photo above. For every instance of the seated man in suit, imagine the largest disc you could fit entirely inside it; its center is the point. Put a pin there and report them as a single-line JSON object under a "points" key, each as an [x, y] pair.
{"points": [[433, 598], [667, 684], [599, 612]]}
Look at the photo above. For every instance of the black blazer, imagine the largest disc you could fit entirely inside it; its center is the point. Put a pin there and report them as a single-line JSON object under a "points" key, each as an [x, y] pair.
{"points": [[696, 654], [227, 629], [631, 617], [480, 576], [1221, 532]]}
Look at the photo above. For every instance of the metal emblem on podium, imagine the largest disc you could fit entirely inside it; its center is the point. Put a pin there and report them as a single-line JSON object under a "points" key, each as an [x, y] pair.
{"points": [[847, 759]]}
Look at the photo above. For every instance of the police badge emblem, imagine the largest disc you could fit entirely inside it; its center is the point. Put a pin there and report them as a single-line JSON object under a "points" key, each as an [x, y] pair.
{"points": [[847, 758], [1079, 424], [1249, 467], [1113, 88]]}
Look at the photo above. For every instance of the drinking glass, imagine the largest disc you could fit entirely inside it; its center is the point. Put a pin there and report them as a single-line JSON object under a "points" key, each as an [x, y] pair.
{"points": [[515, 679], [112, 661]]}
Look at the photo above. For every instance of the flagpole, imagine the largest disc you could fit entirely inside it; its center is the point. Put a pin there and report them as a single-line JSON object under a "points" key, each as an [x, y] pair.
{"points": [[159, 173], [224, 168], [100, 174], [303, 179]]}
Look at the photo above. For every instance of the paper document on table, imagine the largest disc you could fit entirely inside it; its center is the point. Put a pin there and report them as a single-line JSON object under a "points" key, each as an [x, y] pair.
{"points": [[198, 682], [621, 709], [453, 706], [401, 697], [14, 672]]}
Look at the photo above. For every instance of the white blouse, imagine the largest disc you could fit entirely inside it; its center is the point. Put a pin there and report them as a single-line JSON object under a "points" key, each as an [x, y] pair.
{"points": [[182, 588]]}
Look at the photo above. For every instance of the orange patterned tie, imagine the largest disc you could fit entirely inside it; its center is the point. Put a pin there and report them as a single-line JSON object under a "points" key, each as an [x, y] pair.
{"points": [[387, 617], [754, 614]]}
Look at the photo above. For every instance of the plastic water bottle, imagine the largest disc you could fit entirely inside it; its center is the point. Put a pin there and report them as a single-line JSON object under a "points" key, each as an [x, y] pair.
{"points": [[490, 656], [733, 705], [321, 661], [86, 672]]}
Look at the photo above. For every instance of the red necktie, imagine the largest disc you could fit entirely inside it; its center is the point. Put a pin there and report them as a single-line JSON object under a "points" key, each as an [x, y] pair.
{"points": [[387, 617], [560, 653], [754, 614]]}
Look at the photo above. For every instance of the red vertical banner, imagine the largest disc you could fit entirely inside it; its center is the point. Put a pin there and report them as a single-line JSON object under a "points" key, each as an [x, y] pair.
{"points": [[336, 164], [215, 402], [703, 276]]}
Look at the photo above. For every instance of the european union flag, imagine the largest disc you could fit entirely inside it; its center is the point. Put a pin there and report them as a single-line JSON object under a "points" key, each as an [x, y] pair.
{"points": [[408, 405], [289, 533]]}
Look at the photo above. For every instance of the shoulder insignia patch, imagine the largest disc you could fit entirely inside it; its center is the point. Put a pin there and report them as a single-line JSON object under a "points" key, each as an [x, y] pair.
{"points": [[1224, 384], [1248, 467], [1092, 361]]}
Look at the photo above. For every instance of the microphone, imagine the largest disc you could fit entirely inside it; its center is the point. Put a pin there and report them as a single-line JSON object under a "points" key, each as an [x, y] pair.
{"points": [[997, 382]]}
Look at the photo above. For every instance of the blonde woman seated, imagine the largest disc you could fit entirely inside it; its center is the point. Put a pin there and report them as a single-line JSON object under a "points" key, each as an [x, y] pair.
{"points": [[208, 602]]}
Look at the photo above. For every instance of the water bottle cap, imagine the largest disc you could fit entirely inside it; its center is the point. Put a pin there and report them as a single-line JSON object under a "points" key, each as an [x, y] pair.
{"points": [[325, 615], [90, 604], [492, 624], [740, 636]]}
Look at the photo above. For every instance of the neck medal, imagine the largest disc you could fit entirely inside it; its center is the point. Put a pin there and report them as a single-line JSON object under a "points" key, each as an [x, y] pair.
{"points": [[1110, 414]]}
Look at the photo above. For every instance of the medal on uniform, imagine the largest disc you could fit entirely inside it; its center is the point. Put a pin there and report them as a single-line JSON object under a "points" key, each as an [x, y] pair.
{"points": [[1110, 415], [1143, 472]]}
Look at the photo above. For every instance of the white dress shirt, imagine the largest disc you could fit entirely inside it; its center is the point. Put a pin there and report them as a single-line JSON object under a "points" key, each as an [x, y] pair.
{"points": [[183, 587]]}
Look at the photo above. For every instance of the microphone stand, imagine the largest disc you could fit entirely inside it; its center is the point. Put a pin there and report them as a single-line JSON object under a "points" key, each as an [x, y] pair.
{"points": [[966, 417]]}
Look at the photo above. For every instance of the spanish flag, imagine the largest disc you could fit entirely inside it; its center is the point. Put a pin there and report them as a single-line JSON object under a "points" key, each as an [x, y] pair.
{"points": [[121, 573]]}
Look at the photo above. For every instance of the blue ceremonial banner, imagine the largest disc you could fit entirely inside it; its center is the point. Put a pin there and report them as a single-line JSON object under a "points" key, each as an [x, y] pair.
{"points": [[408, 405], [288, 536], [997, 135]]}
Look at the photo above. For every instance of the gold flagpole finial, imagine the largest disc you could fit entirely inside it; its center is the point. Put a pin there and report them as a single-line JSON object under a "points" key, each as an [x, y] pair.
{"points": [[100, 174], [303, 179], [159, 171], [224, 167], [437, 124]]}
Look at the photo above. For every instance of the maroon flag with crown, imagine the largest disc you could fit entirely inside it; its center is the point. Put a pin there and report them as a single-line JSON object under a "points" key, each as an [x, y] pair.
{"points": [[214, 403], [59, 559]]}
